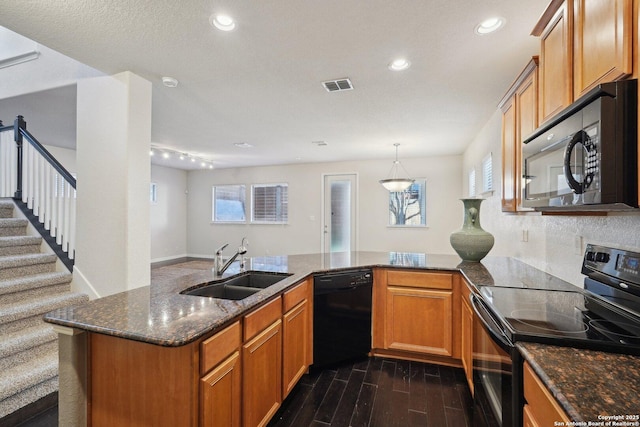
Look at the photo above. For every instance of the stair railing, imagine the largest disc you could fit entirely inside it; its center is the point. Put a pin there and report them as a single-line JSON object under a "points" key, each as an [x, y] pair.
{"points": [[31, 175]]}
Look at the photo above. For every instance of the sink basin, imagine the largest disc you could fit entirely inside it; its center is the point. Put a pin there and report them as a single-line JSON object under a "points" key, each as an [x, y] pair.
{"points": [[256, 279], [238, 287]]}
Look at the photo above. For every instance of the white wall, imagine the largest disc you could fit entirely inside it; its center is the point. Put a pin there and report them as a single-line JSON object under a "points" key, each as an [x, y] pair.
{"points": [[555, 243], [304, 231], [168, 220], [65, 156], [112, 222]]}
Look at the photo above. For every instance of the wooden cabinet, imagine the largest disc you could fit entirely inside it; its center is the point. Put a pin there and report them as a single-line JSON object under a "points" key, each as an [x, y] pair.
{"points": [[602, 43], [541, 408], [519, 119], [297, 329], [582, 43], [220, 394], [555, 29], [220, 386], [261, 383], [136, 383], [414, 312], [262, 364], [466, 335], [419, 320], [509, 156]]}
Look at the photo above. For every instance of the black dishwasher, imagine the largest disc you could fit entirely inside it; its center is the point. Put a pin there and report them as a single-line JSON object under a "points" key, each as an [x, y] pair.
{"points": [[341, 316]]}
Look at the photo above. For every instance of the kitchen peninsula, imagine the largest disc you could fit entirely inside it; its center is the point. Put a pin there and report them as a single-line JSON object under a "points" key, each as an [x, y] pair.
{"points": [[161, 321]]}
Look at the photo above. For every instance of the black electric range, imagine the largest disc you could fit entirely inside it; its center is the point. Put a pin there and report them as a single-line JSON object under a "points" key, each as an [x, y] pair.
{"points": [[605, 315]]}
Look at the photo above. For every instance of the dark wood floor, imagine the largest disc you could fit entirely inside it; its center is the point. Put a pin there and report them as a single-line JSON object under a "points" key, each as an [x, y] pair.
{"points": [[371, 392], [379, 393]]}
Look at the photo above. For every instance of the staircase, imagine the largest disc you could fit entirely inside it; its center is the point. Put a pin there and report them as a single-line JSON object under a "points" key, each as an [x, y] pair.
{"points": [[30, 286]]}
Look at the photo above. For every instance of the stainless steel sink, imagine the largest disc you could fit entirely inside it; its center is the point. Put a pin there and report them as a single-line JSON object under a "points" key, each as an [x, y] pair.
{"points": [[237, 287]]}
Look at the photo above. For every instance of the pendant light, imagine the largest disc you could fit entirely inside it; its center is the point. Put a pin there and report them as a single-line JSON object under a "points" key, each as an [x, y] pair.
{"points": [[395, 183]]}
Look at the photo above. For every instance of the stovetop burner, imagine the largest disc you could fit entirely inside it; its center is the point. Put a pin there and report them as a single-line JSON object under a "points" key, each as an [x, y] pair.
{"points": [[549, 322], [562, 317]]}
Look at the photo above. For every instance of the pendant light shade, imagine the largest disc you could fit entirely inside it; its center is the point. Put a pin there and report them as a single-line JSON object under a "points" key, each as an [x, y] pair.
{"points": [[395, 183]]}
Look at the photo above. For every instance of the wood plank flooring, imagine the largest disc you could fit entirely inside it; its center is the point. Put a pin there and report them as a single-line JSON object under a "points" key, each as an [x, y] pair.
{"points": [[379, 392]]}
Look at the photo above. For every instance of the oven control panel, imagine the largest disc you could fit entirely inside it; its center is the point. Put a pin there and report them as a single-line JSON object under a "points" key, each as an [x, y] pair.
{"points": [[615, 263]]}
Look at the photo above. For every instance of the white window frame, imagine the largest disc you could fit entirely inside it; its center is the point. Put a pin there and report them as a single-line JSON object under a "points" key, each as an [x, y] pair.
{"points": [[284, 205], [242, 189], [422, 182], [487, 174], [472, 182]]}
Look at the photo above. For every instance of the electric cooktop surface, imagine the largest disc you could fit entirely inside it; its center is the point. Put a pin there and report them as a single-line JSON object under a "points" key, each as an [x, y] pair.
{"points": [[563, 318]]}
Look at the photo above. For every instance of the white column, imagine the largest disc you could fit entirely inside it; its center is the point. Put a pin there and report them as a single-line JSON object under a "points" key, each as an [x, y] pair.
{"points": [[113, 143]]}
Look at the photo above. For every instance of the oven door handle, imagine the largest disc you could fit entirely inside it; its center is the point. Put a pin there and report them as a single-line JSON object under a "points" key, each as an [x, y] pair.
{"points": [[490, 324]]}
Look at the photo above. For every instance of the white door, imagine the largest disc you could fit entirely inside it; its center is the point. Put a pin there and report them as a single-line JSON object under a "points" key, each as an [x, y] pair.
{"points": [[339, 222]]}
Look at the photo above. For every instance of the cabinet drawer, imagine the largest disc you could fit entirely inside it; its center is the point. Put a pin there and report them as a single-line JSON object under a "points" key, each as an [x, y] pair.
{"points": [[295, 296], [543, 408], [215, 349], [256, 321], [420, 280]]}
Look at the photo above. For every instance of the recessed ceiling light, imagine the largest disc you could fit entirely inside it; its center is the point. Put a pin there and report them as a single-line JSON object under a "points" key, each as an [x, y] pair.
{"points": [[222, 22], [151, 152], [169, 82], [243, 145], [490, 25], [399, 64], [166, 155]]}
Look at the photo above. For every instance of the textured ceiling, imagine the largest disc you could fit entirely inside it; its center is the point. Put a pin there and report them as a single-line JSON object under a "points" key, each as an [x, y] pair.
{"points": [[261, 84]]}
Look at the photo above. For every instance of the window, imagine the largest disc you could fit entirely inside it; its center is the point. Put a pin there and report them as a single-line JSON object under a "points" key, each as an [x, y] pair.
{"points": [[270, 203], [472, 182], [487, 174], [408, 208], [229, 203], [153, 193]]}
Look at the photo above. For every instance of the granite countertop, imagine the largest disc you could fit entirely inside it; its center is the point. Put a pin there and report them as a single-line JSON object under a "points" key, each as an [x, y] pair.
{"points": [[588, 385], [159, 314]]}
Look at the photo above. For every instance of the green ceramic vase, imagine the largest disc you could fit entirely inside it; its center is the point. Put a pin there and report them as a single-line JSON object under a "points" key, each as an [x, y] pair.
{"points": [[471, 242]]}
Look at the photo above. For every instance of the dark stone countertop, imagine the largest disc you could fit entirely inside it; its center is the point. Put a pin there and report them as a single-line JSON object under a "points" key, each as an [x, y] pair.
{"points": [[159, 314], [588, 384]]}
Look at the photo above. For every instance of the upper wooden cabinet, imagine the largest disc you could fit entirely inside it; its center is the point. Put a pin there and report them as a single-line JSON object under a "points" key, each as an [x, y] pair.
{"points": [[582, 43], [556, 85], [519, 119], [602, 43]]}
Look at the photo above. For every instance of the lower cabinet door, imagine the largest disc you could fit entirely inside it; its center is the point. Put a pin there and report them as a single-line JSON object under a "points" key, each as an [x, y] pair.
{"points": [[262, 376], [419, 320], [295, 339], [220, 392]]}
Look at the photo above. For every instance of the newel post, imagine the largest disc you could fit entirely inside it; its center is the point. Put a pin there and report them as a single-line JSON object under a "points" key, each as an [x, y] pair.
{"points": [[19, 124]]}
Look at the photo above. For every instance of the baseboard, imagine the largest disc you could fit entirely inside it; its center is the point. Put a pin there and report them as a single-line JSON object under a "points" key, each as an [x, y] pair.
{"points": [[80, 283], [157, 262]]}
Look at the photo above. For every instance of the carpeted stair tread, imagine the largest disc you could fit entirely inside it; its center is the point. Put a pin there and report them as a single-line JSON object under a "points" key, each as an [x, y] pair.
{"points": [[16, 359], [40, 368], [6, 241], [27, 338], [12, 312], [12, 261], [13, 226], [19, 245], [30, 395], [6, 209], [25, 283]]}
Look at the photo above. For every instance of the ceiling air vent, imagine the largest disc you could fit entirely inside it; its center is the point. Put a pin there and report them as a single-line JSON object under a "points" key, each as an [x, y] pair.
{"points": [[337, 85]]}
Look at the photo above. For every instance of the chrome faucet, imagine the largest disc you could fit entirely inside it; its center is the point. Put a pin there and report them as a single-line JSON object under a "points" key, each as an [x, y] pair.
{"points": [[220, 268]]}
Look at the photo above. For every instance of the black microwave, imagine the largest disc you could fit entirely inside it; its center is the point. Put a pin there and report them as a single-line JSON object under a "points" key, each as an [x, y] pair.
{"points": [[586, 156]]}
